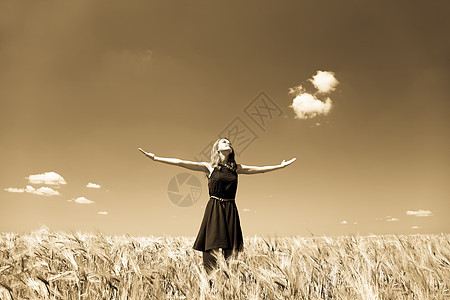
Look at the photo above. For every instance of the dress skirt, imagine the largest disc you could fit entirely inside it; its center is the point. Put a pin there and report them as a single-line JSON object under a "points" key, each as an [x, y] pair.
{"points": [[220, 227]]}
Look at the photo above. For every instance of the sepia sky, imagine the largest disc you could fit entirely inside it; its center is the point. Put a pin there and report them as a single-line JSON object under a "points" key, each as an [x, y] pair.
{"points": [[83, 84]]}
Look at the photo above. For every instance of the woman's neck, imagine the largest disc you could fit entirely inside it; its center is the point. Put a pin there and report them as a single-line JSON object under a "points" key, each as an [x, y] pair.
{"points": [[223, 158]]}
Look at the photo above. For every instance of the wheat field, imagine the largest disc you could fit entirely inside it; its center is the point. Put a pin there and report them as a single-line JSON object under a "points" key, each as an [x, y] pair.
{"points": [[55, 265]]}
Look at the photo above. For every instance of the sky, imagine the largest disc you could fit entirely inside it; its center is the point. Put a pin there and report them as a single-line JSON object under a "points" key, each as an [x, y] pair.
{"points": [[356, 91]]}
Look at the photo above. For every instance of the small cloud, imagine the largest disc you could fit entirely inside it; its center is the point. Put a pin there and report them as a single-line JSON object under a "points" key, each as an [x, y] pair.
{"points": [[82, 200], [391, 219], [246, 210], [324, 81], [355, 223], [15, 190], [419, 213], [43, 191], [415, 227], [344, 222], [307, 106], [102, 213], [93, 185], [146, 56], [29, 189], [51, 178], [297, 90], [378, 219]]}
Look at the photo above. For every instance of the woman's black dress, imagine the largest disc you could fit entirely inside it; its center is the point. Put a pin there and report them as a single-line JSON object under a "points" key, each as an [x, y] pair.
{"points": [[221, 227]]}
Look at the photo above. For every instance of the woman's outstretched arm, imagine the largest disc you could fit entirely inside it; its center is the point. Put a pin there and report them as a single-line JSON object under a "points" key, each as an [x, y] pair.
{"points": [[243, 169], [191, 165]]}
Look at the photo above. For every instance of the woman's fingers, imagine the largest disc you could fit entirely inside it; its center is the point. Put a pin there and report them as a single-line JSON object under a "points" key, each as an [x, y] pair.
{"points": [[151, 155], [288, 162]]}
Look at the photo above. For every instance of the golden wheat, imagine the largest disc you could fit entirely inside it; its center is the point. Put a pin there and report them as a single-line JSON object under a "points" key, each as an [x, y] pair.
{"points": [[55, 265]]}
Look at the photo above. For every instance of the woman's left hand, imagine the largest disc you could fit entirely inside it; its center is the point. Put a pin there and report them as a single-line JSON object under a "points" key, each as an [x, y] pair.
{"points": [[286, 163], [148, 154]]}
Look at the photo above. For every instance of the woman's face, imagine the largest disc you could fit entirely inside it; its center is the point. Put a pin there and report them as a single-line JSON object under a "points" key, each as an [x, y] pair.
{"points": [[224, 146]]}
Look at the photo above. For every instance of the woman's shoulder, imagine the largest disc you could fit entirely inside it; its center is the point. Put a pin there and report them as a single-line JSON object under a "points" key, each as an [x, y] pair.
{"points": [[208, 166], [210, 169]]}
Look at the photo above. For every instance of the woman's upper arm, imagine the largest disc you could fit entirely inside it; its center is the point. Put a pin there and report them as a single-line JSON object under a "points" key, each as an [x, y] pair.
{"points": [[243, 169], [201, 166], [191, 165]]}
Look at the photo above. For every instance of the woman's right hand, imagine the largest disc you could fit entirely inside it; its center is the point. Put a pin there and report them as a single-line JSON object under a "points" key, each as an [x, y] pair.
{"points": [[148, 154], [287, 163]]}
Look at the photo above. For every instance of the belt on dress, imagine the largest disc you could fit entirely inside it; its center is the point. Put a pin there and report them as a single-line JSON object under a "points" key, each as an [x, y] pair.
{"points": [[221, 199]]}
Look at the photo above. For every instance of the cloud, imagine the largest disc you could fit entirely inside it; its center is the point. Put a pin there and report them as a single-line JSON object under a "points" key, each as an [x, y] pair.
{"points": [[15, 190], [93, 185], [344, 222], [102, 212], [29, 189], [246, 210], [82, 200], [307, 106], [415, 227], [51, 178], [297, 90], [324, 81], [392, 219], [43, 191], [419, 213], [146, 56]]}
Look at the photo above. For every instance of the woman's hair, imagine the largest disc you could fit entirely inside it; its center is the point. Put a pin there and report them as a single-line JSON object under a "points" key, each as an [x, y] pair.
{"points": [[215, 158]]}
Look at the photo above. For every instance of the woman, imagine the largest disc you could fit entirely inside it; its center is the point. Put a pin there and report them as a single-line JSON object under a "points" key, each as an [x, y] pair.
{"points": [[220, 228]]}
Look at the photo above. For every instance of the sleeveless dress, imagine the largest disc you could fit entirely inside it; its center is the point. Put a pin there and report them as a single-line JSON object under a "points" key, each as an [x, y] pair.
{"points": [[221, 226]]}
